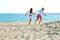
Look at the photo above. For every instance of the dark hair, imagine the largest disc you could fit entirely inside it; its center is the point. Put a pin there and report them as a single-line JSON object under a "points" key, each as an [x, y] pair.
{"points": [[31, 10], [43, 9]]}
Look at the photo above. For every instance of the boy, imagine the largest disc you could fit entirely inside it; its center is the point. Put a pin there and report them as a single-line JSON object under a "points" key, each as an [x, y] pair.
{"points": [[39, 15]]}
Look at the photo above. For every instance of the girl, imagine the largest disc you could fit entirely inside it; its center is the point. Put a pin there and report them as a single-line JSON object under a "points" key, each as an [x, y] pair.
{"points": [[30, 15]]}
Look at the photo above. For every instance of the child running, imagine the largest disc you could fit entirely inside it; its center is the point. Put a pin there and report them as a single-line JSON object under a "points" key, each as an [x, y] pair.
{"points": [[30, 15], [39, 15]]}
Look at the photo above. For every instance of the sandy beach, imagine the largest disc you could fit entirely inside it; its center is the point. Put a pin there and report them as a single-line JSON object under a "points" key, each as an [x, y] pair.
{"points": [[23, 31]]}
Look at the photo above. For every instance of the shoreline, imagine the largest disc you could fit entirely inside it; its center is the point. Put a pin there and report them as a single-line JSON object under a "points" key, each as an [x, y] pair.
{"points": [[31, 22]]}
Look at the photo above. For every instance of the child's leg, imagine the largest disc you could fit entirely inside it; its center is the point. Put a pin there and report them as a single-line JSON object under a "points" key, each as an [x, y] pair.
{"points": [[36, 20], [40, 19], [30, 20]]}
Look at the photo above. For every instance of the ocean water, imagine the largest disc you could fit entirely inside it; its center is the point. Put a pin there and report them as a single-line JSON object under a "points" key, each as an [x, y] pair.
{"points": [[6, 17]]}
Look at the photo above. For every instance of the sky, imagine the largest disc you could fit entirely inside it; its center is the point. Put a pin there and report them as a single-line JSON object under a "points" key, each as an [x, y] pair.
{"points": [[22, 6]]}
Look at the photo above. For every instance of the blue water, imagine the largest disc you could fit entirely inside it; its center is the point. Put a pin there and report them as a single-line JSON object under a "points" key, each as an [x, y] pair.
{"points": [[22, 18]]}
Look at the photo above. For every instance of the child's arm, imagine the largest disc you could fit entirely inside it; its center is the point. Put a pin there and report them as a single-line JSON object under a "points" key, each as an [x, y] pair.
{"points": [[35, 12], [27, 12], [44, 14]]}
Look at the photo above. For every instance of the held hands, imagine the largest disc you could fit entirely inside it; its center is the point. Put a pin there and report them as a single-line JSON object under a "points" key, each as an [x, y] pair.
{"points": [[33, 13]]}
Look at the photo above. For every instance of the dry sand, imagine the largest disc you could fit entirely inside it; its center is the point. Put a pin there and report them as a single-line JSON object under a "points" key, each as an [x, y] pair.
{"points": [[23, 31]]}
